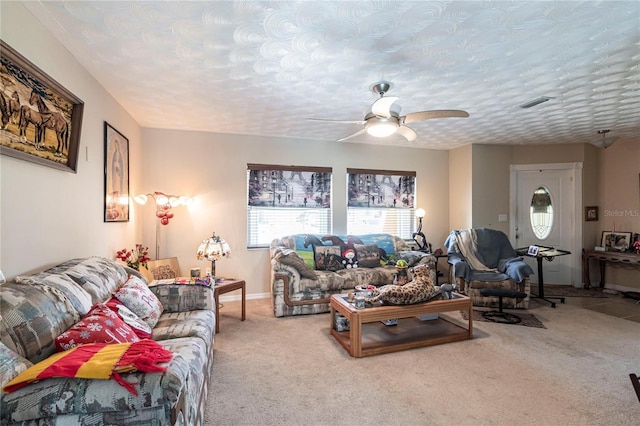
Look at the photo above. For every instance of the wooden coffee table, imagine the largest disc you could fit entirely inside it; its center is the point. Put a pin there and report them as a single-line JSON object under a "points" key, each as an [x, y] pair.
{"points": [[368, 336]]}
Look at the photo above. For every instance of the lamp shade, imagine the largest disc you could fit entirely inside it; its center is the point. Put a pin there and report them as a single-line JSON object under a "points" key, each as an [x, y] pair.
{"points": [[213, 248]]}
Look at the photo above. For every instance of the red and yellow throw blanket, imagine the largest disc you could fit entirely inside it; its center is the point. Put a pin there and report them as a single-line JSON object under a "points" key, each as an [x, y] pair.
{"points": [[97, 361]]}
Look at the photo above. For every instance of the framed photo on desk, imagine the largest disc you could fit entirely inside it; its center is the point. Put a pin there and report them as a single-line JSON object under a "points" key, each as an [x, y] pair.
{"points": [[616, 241]]}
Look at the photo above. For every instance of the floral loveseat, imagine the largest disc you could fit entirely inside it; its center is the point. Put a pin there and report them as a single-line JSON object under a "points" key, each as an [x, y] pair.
{"points": [[38, 308], [307, 269]]}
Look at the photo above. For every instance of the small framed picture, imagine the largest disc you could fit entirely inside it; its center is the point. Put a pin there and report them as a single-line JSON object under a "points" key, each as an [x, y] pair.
{"points": [[590, 213], [533, 251], [616, 241]]}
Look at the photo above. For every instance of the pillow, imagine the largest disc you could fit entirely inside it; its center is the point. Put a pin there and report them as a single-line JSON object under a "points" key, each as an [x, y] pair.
{"points": [[138, 326], [100, 325], [290, 257], [328, 258], [368, 255], [136, 296]]}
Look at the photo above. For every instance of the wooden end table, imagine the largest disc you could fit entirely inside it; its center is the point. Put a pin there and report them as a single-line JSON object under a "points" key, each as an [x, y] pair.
{"points": [[225, 286], [368, 336]]}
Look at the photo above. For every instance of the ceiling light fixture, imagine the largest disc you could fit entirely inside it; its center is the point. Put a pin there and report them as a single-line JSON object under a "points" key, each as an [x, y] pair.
{"points": [[382, 127], [535, 102], [605, 142]]}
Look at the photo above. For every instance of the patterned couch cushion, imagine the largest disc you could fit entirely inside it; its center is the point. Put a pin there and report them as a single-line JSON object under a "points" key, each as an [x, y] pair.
{"points": [[184, 297], [91, 399], [11, 364], [79, 298], [96, 275], [32, 317], [186, 324]]}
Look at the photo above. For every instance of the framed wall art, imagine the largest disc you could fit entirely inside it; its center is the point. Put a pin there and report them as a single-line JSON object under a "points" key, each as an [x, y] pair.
{"points": [[41, 120], [590, 213], [616, 241], [116, 175]]}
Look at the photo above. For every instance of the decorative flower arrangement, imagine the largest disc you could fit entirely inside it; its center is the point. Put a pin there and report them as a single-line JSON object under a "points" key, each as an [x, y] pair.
{"points": [[135, 258]]}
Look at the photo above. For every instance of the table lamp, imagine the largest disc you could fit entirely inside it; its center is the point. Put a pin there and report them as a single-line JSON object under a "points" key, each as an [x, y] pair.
{"points": [[213, 248]]}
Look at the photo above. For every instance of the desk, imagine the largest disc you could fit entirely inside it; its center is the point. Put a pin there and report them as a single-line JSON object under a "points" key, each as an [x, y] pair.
{"points": [[604, 257], [225, 286], [548, 253]]}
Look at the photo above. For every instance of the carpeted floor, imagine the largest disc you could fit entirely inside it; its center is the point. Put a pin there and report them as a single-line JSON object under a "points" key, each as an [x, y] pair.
{"points": [[527, 320], [569, 291], [290, 371]]}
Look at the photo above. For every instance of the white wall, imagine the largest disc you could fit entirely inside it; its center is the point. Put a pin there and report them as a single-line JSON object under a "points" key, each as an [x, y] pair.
{"points": [[213, 167], [46, 215]]}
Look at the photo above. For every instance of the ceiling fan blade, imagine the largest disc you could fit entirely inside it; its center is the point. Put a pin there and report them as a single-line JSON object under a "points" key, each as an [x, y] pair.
{"points": [[358, 133], [382, 107], [425, 115], [337, 121], [407, 132]]}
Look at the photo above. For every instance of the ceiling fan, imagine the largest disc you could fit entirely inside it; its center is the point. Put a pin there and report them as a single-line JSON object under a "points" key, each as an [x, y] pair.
{"points": [[382, 121]]}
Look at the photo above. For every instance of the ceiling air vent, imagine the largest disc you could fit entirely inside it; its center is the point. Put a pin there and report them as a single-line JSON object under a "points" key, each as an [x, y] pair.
{"points": [[535, 102]]}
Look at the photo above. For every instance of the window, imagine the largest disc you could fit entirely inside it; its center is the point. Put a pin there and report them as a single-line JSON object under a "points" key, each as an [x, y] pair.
{"points": [[541, 213], [285, 200], [380, 201]]}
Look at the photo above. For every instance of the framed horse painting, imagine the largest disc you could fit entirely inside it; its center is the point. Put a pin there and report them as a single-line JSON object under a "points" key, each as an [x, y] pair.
{"points": [[41, 120], [116, 175]]}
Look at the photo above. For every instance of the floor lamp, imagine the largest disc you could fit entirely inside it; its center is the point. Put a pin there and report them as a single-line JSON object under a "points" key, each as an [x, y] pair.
{"points": [[164, 205]]}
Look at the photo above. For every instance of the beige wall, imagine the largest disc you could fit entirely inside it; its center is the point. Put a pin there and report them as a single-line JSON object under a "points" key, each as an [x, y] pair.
{"points": [[212, 167], [619, 202], [489, 171], [461, 187], [48, 216]]}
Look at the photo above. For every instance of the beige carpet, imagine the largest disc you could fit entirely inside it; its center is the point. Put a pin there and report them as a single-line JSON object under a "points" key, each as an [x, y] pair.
{"points": [[290, 371]]}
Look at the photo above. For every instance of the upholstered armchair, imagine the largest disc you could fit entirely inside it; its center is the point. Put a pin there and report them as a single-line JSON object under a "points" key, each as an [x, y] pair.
{"points": [[484, 258]]}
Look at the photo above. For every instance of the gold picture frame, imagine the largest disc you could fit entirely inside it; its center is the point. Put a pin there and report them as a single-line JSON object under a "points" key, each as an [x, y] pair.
{"points": [[40, 119]]}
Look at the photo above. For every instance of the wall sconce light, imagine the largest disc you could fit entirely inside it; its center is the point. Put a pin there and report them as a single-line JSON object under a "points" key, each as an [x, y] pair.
{"points": [[164, 204], [423, 245]]}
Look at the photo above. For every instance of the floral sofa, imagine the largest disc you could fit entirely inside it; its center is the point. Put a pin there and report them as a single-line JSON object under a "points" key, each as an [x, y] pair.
{"points": [[37, 310], [307, 269]]}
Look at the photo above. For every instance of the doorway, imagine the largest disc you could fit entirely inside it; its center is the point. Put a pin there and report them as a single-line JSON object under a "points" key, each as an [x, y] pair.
{"points": [[545, 200]]}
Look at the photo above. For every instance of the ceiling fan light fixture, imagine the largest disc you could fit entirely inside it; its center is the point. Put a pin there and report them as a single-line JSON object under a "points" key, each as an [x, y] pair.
{"points": [[381, 129], [535, 102]]}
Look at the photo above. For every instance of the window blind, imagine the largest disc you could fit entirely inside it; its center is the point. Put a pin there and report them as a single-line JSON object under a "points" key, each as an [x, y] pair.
{"points": [[381, 201], [285, 200]]}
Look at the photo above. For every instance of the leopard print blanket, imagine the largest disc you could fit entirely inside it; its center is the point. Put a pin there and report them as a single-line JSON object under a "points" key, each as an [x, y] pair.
{"points": [[419, 289]]}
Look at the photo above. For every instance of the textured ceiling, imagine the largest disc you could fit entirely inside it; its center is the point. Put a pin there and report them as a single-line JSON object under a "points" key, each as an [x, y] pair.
{"points": [[263, 67]]}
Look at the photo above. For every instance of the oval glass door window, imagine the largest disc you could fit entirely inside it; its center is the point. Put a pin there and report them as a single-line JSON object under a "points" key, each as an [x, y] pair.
{"points": [[541, 213]]}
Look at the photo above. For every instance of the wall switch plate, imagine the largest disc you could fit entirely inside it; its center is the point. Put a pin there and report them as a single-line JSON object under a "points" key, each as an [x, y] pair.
{"points": [[502, 218]]}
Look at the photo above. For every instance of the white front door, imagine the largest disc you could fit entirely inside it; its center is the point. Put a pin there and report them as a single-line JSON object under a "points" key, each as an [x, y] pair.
{"points": [[559, 188]]}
